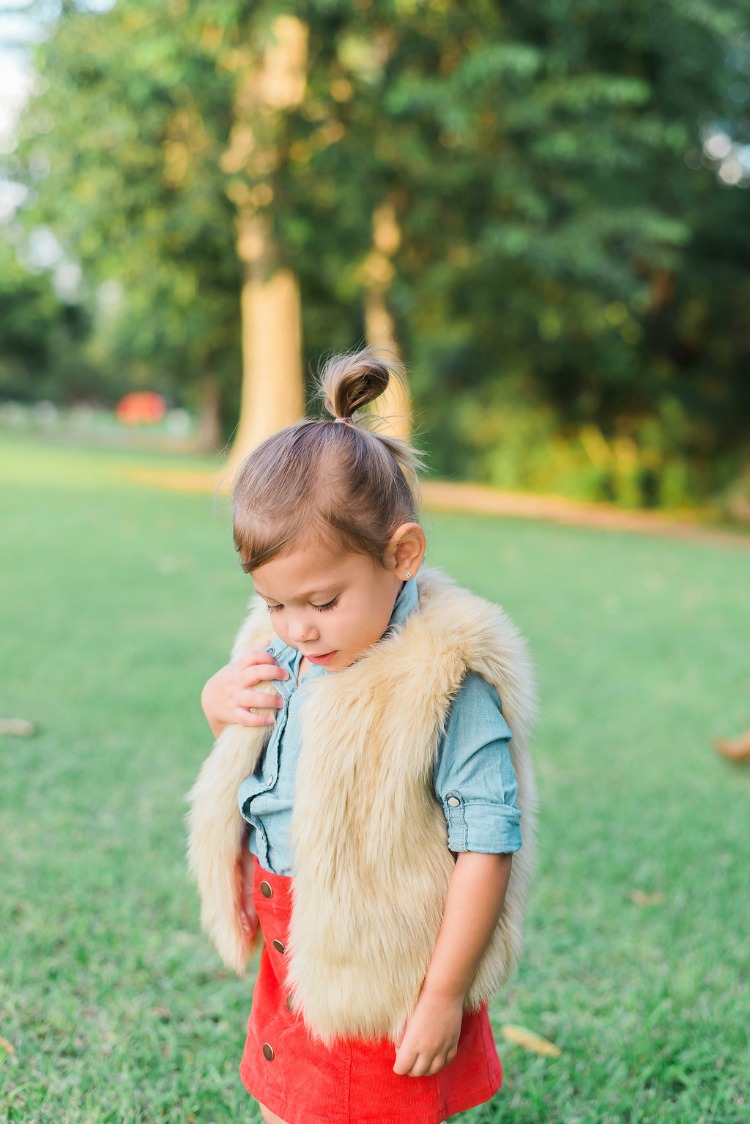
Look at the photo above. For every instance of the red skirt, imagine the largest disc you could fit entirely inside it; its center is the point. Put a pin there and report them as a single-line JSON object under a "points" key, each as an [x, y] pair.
{"points": [[350, 1081]]}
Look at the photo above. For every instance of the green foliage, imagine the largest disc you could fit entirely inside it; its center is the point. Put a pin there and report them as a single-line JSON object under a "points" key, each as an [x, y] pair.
{"points": [[135, 134], [42, 337], [568, 255]]}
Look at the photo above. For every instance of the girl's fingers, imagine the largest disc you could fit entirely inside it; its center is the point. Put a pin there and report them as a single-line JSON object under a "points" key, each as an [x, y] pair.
{"points": [[405, 1061], [421, 1066], [257, 659], [414, 1064], [245, 717], [255, 655], [259, 700], [260, 672], [428, 1065]]}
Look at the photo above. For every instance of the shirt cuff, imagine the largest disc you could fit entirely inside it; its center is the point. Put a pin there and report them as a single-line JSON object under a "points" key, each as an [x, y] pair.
{"points": [[481, 826]]}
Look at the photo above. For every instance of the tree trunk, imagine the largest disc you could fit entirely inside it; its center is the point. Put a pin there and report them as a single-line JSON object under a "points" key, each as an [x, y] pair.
{"points": [[209, 426], [380, 328], [272, 384], [272, 378]]}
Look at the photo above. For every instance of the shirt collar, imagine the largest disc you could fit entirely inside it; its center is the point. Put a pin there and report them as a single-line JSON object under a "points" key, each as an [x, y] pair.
{"points": [[405, 604]]}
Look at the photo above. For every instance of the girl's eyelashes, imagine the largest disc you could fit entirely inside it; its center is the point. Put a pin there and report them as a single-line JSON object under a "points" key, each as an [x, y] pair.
{"points": [[327, 606], [321, 608]]}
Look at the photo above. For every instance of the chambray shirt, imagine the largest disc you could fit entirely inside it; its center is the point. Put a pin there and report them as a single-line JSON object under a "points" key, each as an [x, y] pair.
{"points": [[473, 776]]}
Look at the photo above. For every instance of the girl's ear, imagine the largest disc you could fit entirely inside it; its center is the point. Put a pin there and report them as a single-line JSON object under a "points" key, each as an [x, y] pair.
{"points": [[405, 550]]}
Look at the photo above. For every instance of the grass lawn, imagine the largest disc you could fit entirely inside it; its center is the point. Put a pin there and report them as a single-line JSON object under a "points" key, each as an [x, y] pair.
{"points": [[119, 600]]}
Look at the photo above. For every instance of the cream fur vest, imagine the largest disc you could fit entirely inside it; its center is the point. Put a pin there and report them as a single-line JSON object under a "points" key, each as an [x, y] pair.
{"points": [[372, 864]]}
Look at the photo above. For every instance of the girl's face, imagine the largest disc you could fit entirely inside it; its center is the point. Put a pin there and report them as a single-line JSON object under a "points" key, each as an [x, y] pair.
{"points": [[332, 605]]}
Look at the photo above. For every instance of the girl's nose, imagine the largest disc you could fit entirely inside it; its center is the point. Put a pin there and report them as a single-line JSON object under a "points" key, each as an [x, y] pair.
{"points": [[302, 630]]}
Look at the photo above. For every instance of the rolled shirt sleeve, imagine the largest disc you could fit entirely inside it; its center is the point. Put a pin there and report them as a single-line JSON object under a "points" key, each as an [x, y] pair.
{"points": [[474, 777]]}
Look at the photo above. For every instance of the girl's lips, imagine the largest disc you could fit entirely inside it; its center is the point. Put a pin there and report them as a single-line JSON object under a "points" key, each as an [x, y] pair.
{"points": [[321, 659]]}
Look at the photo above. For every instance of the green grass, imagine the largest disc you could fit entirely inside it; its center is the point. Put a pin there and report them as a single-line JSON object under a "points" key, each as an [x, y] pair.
{"points": [[118, 601]]}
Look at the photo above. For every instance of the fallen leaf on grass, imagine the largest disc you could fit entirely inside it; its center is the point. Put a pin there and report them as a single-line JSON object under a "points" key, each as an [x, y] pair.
{"points": [[638, 897], [530, 1041], [7, 1046], [21, 727]]}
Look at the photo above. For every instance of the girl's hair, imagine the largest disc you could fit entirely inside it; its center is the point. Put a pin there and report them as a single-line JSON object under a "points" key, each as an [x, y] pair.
{"points": [[329, 479]]}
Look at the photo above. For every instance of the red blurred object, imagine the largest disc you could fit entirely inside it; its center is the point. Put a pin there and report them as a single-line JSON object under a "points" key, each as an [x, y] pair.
{"points": [[141, 407]]}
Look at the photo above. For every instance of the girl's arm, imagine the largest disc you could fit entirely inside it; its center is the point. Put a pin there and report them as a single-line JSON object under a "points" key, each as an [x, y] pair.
{"points": [[475, 899]]}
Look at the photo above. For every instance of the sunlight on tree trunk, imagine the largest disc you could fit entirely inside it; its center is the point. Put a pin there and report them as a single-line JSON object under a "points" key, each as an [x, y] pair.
{"points": [[395, 404], [272, 380], [209, 429], [380, 327], [272, 393]]}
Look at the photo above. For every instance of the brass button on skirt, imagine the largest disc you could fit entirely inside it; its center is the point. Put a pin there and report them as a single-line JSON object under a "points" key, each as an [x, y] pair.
{"points": [[279, 946], [268, 1053], [265, 889]]}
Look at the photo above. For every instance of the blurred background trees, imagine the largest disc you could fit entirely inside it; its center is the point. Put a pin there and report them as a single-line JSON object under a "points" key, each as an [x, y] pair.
{"points": [[544, 206]]}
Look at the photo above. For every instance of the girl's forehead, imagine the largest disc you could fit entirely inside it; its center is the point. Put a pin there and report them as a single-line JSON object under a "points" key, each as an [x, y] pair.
{"points": [[305, 571]]}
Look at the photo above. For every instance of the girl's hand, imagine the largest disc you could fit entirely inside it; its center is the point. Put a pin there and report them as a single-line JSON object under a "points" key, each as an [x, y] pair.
{"points": [[430, 1038], [230, 697]]}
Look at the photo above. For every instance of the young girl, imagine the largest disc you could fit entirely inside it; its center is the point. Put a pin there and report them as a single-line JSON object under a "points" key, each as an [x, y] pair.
{"points": [[360, 810]]}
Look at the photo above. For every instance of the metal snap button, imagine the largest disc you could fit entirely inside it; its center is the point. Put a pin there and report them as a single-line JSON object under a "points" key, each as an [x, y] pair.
{"points": [[278, 946], [265, 889], [268, 1053], [454, 801]]}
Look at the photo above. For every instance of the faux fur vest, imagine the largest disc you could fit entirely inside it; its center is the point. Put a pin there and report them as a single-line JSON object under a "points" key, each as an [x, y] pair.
{"points": [[372, 865]]}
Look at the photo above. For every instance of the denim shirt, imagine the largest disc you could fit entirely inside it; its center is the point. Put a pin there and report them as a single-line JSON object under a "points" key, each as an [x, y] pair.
{"points": [[473, 777]]}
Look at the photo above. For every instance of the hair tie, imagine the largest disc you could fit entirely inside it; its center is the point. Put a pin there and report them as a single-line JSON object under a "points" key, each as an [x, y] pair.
{"points": [[347, 421]]}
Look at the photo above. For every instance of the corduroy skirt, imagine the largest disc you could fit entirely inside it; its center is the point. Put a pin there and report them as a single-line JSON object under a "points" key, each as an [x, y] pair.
{"points": [[351, 1080]]}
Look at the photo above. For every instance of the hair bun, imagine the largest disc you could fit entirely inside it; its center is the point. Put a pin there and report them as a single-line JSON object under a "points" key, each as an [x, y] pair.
{"points": [[349, 382]]}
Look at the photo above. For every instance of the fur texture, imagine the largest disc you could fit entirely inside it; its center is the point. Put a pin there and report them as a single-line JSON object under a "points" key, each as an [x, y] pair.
{"points": [[216, 829], [371, 863]]}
